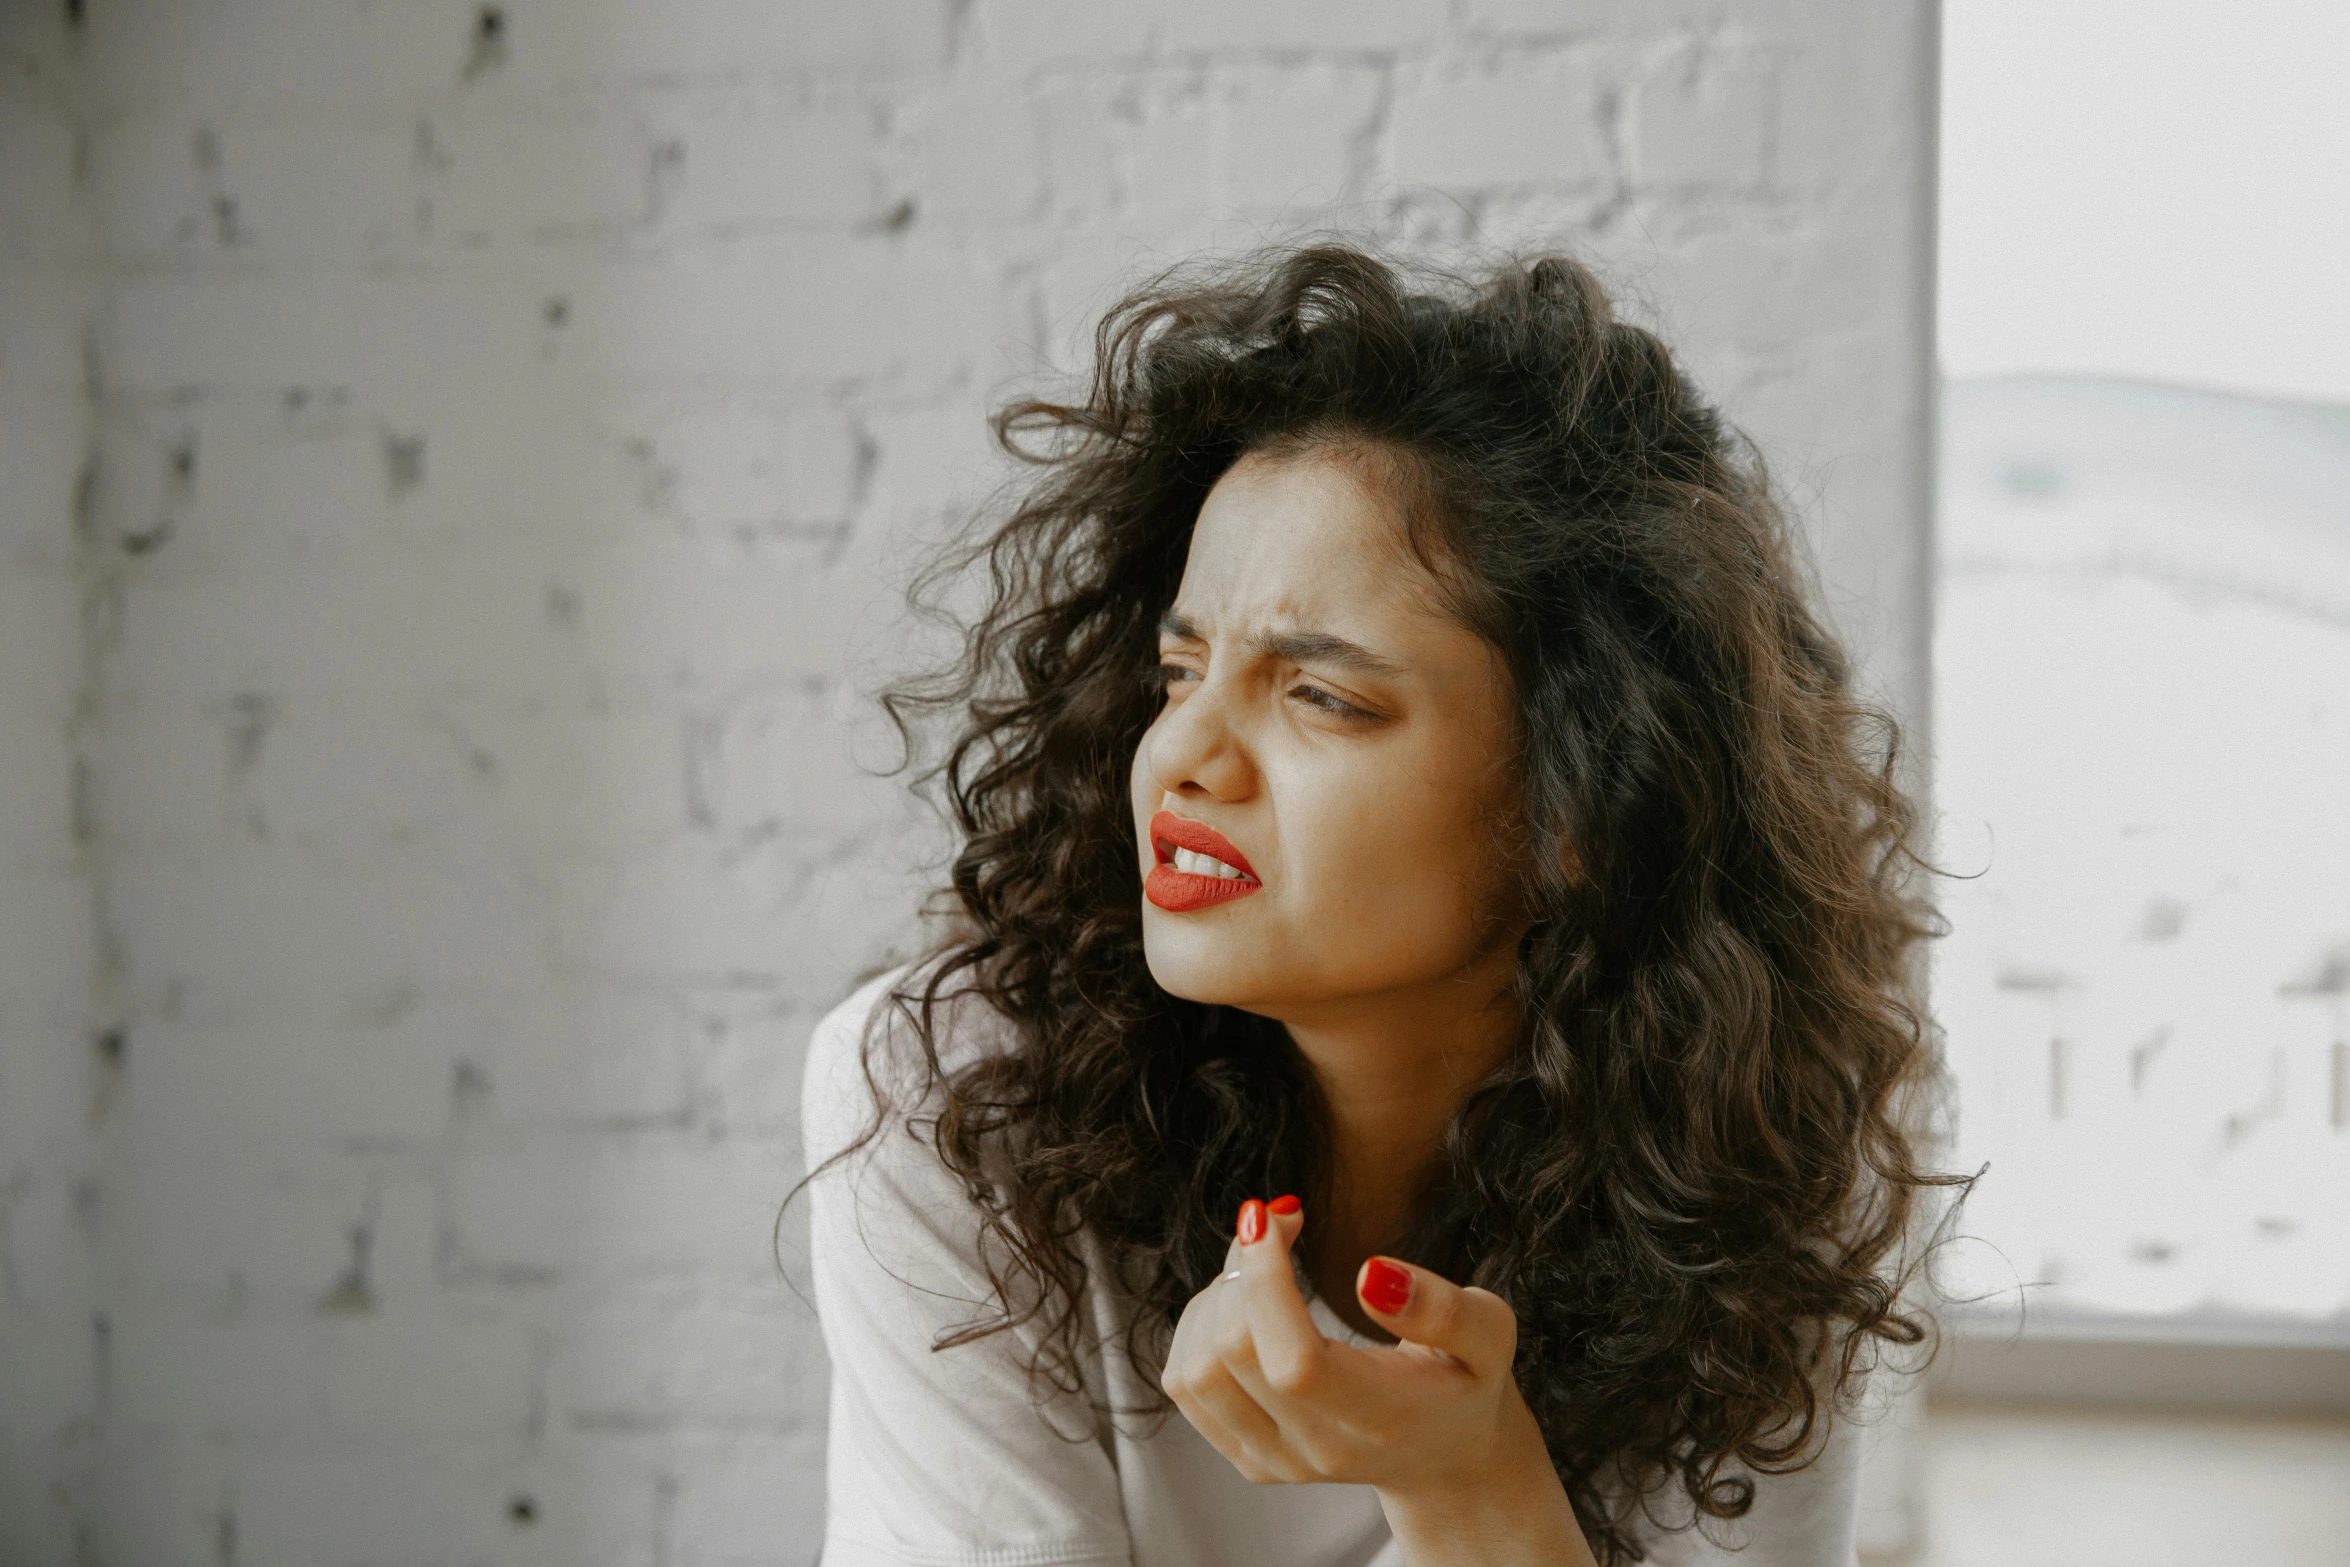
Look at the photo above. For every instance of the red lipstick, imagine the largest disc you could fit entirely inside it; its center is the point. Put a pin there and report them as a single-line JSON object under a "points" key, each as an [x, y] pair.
{"points": [[1180, 891]]}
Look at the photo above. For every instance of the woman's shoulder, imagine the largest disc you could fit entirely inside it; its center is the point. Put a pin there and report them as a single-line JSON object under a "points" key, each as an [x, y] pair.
{"points": [[896, 1240], [869, 1054]]}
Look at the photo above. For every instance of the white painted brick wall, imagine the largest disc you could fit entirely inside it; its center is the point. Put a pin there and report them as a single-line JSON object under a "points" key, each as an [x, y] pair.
{"points": [[509, 443]]}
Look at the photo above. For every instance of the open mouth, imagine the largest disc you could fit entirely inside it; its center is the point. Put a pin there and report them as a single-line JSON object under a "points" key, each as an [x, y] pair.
{"points": [[1197, 866]]}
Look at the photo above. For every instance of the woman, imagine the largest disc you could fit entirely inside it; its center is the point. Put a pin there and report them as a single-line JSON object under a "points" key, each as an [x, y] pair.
{"points": [[1429, 992]]}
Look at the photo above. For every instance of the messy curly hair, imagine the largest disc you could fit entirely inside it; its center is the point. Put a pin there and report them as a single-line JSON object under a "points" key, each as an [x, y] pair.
{"points": [[1694, 1178]]}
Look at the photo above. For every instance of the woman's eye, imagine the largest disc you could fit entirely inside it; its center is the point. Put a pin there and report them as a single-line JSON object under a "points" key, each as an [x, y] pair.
{"points": [[1171, 674], [1315, 696]]}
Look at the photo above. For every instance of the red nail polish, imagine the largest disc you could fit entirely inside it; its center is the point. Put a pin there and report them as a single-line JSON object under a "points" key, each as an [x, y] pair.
{"points": [[1251, 1228], [1283, 1205], [1385, 1288]]}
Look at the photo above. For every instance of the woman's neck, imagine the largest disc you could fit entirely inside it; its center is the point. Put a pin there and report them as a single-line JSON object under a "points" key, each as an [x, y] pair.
{"points": [[1392, 1070]]}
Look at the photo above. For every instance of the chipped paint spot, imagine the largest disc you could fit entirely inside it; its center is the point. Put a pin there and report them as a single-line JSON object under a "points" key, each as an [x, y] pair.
{"points": [[2143, 1056], [248, 717], [2328, 976], [403, 463], [486, 51], [562, 606], [469, 1089], [353, 1293]]}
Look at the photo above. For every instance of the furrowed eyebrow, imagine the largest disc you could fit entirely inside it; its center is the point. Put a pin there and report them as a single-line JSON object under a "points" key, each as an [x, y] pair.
{"points": [[1296, 647], [1320, 647]]}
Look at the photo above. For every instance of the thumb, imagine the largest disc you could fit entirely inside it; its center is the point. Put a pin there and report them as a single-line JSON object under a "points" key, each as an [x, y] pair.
{"points": [[1475, 1327]]}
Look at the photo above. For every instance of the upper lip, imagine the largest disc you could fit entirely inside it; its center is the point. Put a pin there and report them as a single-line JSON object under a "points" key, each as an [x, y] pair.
{"points": [[1182, 832]]}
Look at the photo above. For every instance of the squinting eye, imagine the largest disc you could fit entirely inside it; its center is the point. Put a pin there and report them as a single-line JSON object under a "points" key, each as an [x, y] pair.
{"points": [[1168, 674], [1315, 696]]}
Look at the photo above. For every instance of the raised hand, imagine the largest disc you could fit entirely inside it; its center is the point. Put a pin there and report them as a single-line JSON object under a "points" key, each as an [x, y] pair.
{"points": [[1435, 1422]]}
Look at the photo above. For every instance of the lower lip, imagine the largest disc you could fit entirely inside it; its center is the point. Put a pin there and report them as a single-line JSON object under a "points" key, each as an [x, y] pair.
{"points": [[1179, 892]]}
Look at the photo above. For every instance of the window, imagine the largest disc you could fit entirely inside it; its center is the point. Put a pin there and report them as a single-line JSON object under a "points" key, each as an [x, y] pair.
{"points": [[2143, 738], [2142, 666]]}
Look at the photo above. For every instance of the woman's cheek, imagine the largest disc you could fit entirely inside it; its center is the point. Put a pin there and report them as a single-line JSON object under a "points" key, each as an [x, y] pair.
{"points": [[1416, 887], [1369, 889]]}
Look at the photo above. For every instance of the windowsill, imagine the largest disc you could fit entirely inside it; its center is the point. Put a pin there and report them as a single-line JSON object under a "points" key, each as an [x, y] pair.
{"points": [[2196, 1360]]}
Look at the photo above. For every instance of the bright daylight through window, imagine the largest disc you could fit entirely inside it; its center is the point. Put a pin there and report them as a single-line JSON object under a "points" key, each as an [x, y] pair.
{"points": [[2142, 723]]}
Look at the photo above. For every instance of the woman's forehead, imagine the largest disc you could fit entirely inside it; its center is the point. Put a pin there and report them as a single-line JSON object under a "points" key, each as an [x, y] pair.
{"points": [[1298, 540]]}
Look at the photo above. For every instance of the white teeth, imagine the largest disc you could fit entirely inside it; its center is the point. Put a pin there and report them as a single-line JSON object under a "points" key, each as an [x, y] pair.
{"points": [[1196, 864]]}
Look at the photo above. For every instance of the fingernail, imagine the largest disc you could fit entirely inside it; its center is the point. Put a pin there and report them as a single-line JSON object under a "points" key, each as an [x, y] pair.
{"points": [[1251, 1228], [1283, 1205], [1385, 1288]]}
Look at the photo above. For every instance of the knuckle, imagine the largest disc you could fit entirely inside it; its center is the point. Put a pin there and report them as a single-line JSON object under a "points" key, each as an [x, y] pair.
{"points": [[1294, 1376]]}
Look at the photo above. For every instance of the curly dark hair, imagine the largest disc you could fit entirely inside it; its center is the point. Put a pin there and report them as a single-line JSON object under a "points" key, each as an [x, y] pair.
{"points": [[1694, 1178]]}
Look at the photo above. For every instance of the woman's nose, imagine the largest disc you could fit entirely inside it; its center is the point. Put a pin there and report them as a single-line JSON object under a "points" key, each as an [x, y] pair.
{"points": [[1193, 750]]}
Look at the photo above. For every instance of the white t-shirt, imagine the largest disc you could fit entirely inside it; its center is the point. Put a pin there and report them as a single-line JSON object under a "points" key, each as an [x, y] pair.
{"points": [[950, 1458]]}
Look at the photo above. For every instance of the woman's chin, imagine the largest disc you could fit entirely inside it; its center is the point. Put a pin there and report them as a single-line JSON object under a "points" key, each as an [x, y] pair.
{"points": [[1215, 967]]}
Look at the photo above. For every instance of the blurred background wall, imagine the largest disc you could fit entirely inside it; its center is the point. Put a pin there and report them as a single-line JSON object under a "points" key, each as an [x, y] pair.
{"points": [[460, 464]]}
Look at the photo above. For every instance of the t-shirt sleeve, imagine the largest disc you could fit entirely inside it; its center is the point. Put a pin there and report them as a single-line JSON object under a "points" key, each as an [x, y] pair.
{"points": [[937, 1457]]}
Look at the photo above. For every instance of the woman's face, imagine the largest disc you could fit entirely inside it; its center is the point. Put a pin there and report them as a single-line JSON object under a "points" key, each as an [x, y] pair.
{"points": [[1334, 736]]}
